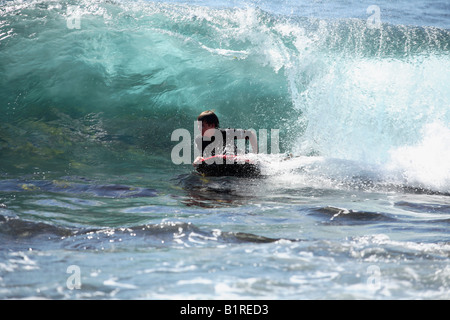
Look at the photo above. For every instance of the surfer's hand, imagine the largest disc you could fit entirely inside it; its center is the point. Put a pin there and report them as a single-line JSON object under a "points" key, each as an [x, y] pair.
{"points": [[197, 161]]}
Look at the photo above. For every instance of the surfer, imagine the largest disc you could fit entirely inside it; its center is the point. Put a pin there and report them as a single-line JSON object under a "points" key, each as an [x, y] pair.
{"points": [[215, 141]]}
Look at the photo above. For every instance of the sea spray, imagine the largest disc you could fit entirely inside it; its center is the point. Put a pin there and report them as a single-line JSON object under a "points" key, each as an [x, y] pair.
{"points": [[425, 164]]}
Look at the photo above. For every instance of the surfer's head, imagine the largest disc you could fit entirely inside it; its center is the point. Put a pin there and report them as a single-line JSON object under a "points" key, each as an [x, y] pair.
{"points": [[209, 120], [209, 117]]}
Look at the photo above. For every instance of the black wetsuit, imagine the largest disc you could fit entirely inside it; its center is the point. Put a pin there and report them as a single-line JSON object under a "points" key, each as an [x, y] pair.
{"points": [[222, 148]]}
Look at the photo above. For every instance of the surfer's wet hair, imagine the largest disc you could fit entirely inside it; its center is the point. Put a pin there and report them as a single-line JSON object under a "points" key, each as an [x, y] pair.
{"points": [[209, 117]]}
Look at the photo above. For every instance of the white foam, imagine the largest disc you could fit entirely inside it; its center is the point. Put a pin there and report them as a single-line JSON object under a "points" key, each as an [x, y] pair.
{"points": [[427, 163]]}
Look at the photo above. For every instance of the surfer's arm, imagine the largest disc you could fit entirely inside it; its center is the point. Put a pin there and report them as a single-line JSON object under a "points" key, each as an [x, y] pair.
{"points": [[246, 134], [251, 136], [198, 144], [197, 161], [253, 141]]}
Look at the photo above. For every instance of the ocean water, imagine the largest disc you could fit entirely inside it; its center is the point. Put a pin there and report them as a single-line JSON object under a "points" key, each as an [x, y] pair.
{"points": [[356, 204]]}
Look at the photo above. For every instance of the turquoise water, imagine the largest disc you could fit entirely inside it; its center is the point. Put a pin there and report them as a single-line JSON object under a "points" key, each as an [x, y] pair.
{"points": [[91, 92]]}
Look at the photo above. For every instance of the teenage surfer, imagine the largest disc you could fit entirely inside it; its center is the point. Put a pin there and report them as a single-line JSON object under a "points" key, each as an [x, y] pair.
{"points": [[215, 141]]}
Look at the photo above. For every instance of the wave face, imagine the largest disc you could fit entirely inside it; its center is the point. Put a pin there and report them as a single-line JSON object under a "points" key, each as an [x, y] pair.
{"points": [[89, 84]]}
